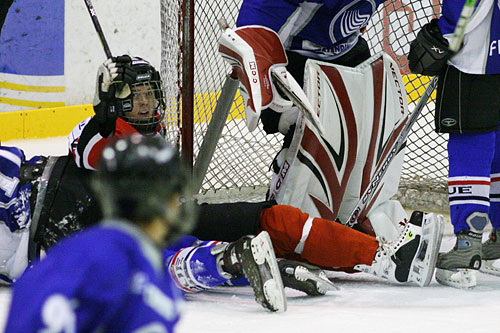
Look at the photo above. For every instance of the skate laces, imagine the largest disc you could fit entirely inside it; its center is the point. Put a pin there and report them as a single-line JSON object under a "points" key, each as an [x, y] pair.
{"points": [[384, 247], [403, 236]]}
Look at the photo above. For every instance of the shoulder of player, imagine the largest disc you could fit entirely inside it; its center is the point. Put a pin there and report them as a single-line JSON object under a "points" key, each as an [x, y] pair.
{"points": [[97, 245]]}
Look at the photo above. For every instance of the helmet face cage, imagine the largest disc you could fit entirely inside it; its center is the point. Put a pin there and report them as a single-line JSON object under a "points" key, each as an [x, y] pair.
{"points": [[145, 108]]}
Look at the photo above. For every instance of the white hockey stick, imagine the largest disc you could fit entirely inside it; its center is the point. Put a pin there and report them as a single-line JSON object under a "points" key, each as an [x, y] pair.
{"points": [[384, 164], [455, 44], [299, 98]]}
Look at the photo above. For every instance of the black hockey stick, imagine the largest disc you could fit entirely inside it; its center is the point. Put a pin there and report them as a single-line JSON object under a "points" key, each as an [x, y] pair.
{"points": [[455, 43], [98, 28]]}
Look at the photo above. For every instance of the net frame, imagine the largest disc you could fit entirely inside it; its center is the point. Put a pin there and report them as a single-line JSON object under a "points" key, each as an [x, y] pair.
{"points": [[241, 162]]}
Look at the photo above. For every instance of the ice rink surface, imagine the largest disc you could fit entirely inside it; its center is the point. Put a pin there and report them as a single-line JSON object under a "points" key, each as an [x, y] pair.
{"points": [[363, 303]]}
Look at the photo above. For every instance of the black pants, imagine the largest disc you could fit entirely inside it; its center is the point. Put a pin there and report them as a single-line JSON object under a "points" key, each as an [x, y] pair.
{"points": [[69, 206], [467, 103]]}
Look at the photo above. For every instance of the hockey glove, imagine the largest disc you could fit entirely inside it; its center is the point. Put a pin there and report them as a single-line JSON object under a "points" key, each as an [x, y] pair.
{"points": [[429, 51], [113, 79]]}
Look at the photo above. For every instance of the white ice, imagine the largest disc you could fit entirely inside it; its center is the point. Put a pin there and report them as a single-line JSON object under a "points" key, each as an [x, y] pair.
{"points": [[363, 304]]}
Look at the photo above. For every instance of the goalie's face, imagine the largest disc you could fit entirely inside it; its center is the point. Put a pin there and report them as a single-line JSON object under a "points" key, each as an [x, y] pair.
{"points": [[145, 103]]}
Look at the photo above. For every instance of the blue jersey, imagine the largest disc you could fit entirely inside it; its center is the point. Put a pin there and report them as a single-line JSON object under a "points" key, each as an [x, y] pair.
{"points": [[480, 53], [322, 29], [109, 278]]}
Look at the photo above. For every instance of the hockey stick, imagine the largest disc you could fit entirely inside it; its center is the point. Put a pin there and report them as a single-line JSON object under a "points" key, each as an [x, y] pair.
{"points": [[459, 32], [98, 28], [302, 102], [454, 45], [385, 163]]}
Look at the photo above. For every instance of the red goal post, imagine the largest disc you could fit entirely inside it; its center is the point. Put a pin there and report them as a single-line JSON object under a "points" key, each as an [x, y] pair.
{"points": [[194, 74]]}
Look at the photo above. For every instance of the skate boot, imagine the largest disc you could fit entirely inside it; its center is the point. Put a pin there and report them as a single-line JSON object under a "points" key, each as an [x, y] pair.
{"points": [[458, 267], [490, 254], [254, 258], [305, 277], [412, 257]]}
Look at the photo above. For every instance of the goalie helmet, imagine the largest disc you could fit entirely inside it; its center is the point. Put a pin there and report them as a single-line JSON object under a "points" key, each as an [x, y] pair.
{"points": [[144, 109], [141, 178]]}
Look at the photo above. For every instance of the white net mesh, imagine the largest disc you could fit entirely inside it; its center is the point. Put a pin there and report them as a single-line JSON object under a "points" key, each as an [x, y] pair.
{"points": [[242, 159]]}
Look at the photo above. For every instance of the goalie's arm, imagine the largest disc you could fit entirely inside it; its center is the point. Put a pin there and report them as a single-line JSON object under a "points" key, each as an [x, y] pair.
{"points": [[259, 59]]}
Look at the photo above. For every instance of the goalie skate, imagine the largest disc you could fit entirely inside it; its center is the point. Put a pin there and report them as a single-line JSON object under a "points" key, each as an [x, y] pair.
{"points": [[254, 257], [305, 277], [413, 256]]}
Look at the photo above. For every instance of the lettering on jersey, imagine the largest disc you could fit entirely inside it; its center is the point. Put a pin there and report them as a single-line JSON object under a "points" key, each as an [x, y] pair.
{"points": [[494, 48], [460, 190], [58, 314], [154, 296], [469, 190]]}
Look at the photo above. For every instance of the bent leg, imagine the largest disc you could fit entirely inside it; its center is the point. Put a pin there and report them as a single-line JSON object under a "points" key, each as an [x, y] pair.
{"points": [[319, 241]]}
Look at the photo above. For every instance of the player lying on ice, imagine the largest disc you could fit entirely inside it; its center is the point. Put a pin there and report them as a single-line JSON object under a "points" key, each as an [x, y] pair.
{"points": [[61, 203], [88, 137], [111, 277], [324, 170]]}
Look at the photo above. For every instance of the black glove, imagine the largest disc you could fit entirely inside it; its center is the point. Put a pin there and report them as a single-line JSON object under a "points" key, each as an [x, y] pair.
{"points": [[429, 51], [114, 77]]}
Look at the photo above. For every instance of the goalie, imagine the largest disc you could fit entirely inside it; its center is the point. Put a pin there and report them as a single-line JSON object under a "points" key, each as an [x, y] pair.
{"points": [[350, 171]]}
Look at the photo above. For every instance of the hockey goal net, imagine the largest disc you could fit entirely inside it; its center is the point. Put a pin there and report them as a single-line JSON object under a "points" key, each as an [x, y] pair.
{"points": [[241, 160]]}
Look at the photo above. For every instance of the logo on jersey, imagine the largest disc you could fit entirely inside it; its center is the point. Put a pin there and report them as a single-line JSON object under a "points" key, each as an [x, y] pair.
{"points": [[351, 18]]}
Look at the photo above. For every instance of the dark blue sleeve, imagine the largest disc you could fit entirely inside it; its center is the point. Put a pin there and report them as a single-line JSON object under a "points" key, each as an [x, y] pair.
{"points": [[450, 13], [81, 288]]}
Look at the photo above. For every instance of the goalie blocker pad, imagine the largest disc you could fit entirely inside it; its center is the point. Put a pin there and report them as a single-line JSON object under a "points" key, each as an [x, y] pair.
{"points": [[258, 60], [363, 109], [254, 51]]}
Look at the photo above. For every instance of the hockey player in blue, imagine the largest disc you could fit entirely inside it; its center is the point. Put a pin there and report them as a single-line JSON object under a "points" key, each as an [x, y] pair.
{"points": [[327, 30], [99, 278], [468, 108]]}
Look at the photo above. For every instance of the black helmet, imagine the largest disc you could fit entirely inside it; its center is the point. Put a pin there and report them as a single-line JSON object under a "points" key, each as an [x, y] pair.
{"points": [[147, 94], [140, 178]]}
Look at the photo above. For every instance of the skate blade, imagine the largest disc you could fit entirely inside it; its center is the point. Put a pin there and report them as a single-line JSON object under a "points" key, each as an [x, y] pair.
{"points": [[322, 283], [273, 289], [460, 278], [491, 267], [422, 268]]}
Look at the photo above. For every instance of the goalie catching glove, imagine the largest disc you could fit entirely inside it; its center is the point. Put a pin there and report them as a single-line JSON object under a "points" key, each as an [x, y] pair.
{"points": [[429, 52], [113, 79]]}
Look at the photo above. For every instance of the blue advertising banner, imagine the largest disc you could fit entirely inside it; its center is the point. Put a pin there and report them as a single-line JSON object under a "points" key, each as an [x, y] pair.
{"points": [[32, 55]]}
